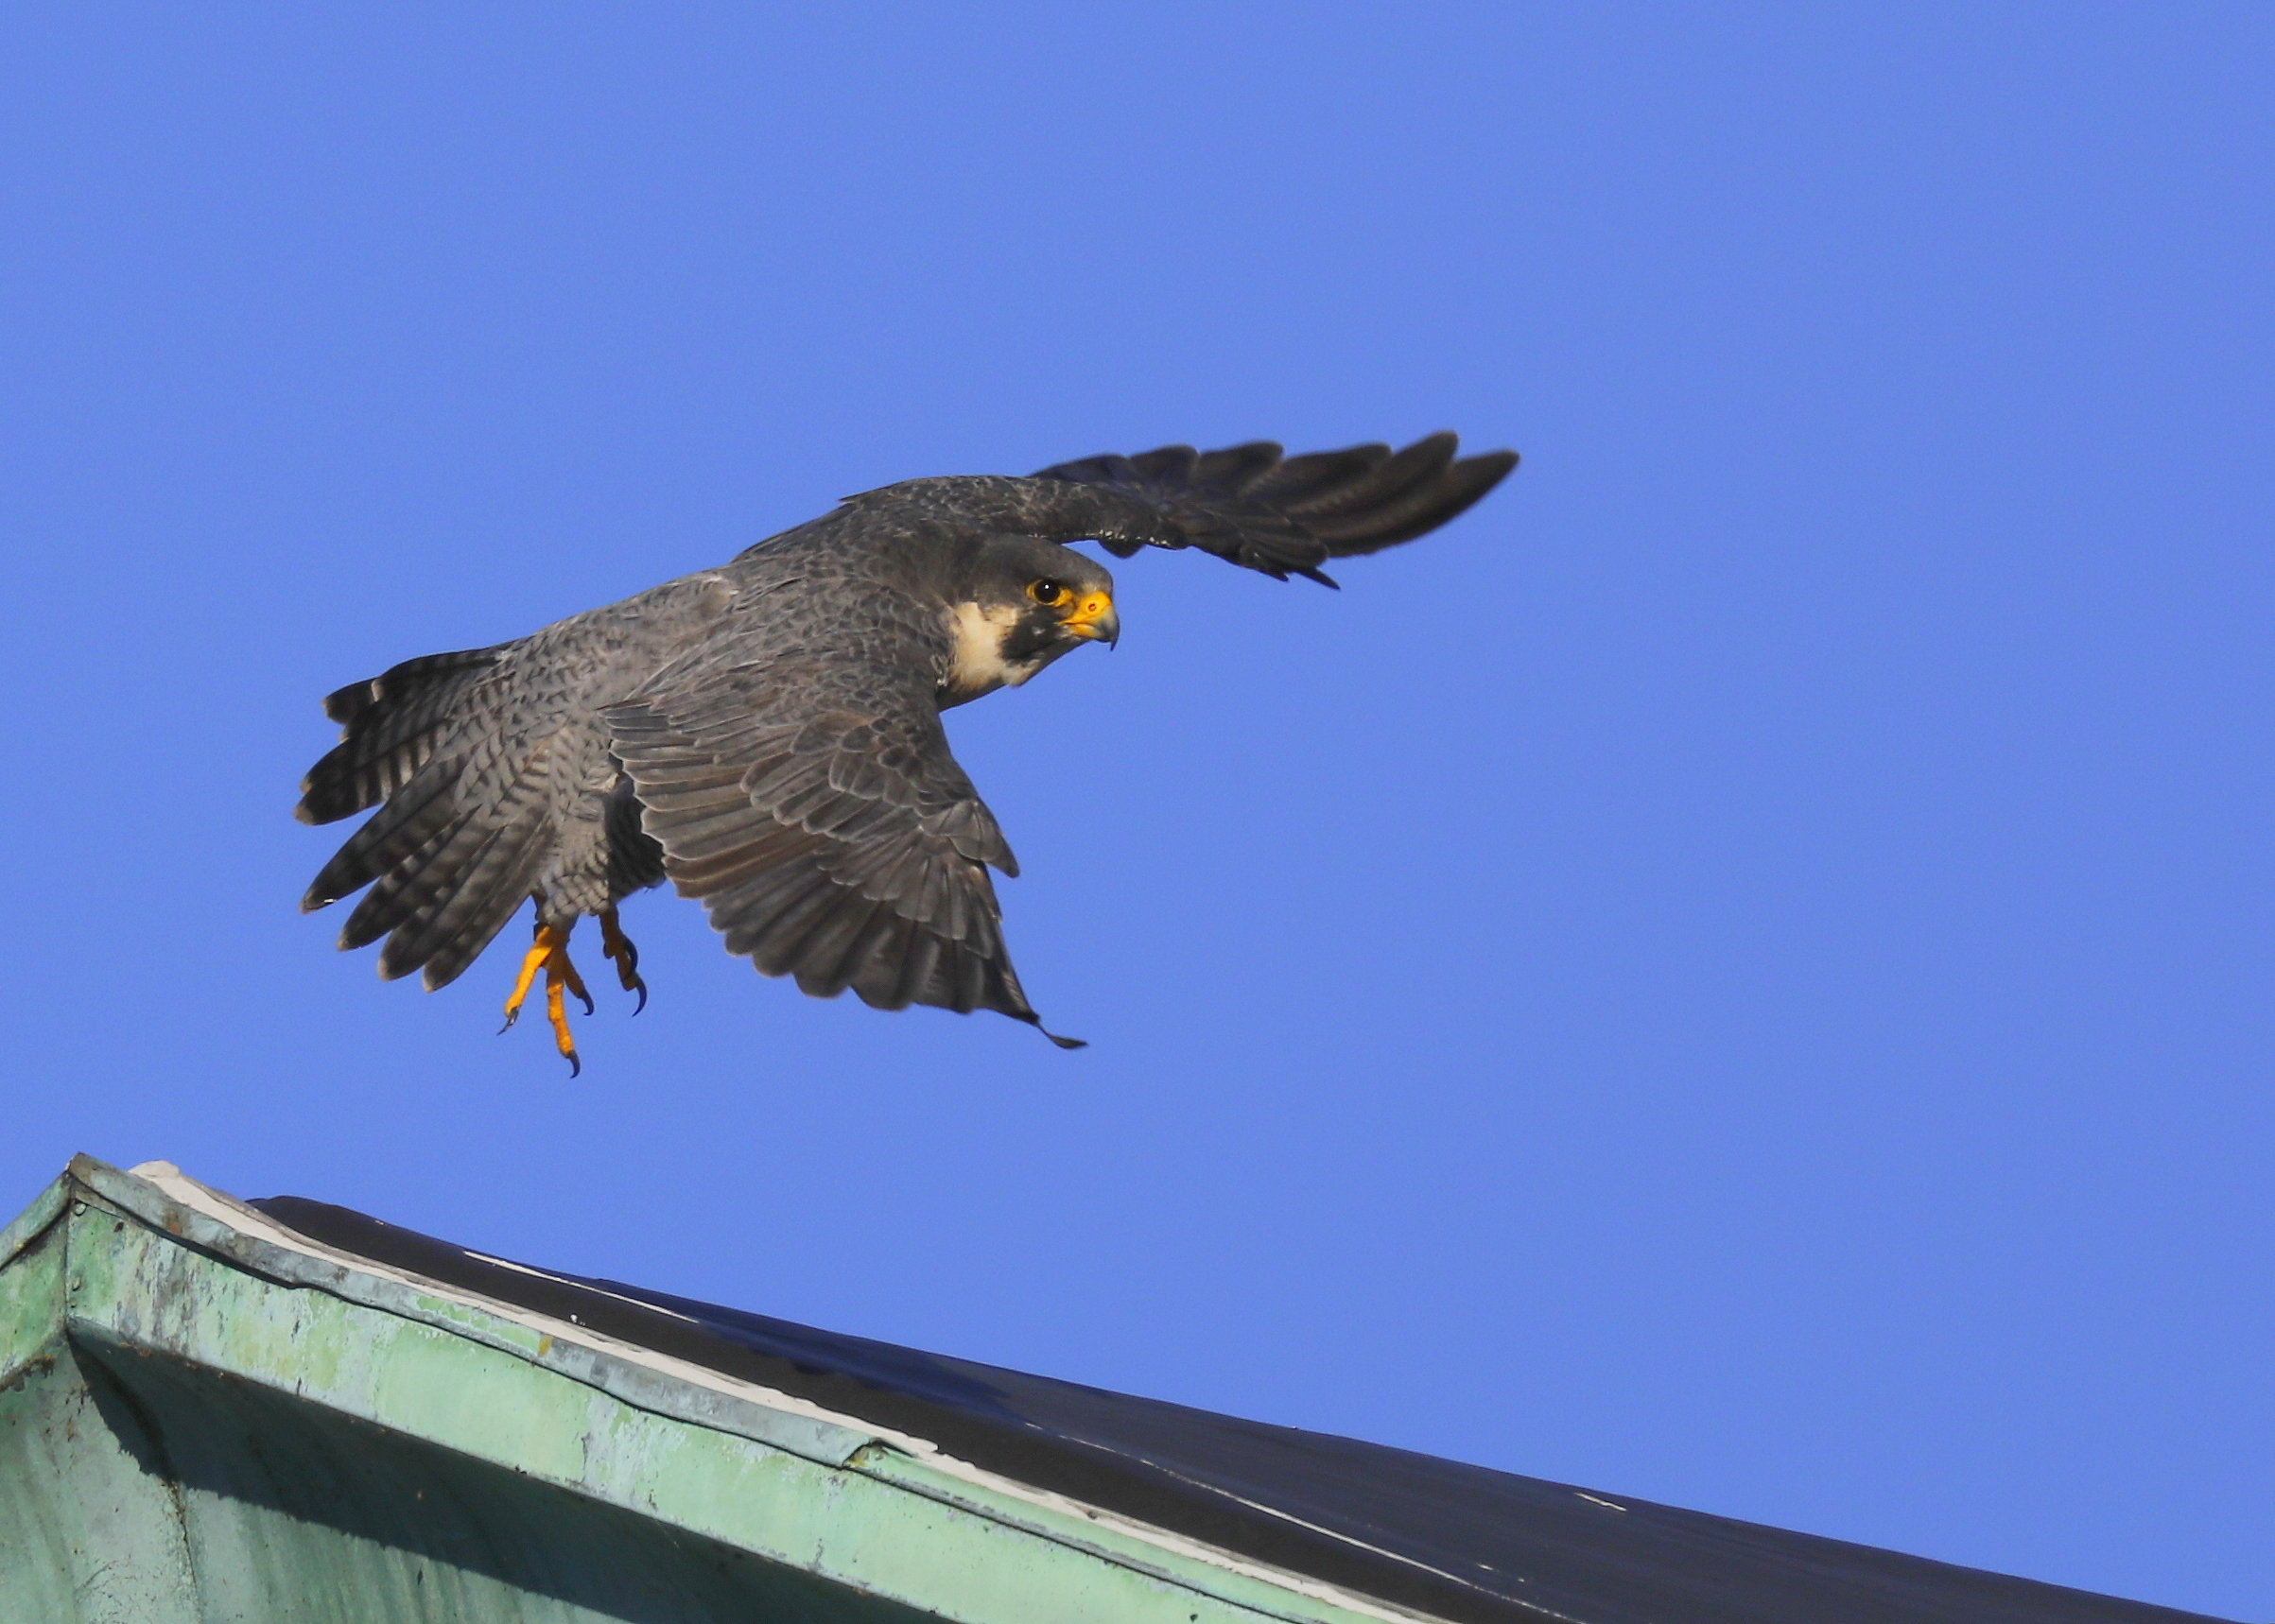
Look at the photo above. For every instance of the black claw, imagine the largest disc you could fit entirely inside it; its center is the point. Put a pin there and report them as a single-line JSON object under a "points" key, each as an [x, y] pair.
{"points": [[586, 999], [575, 1066], [641, 988], [508, 1026]]}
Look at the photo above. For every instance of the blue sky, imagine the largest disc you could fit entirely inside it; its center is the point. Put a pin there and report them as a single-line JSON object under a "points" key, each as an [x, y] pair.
{"points": [[1737, 975]]}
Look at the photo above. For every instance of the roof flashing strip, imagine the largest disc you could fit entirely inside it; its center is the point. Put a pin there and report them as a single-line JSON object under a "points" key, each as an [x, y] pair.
{"points": [[219, 1223], [33, 1222], [162, 1196]]}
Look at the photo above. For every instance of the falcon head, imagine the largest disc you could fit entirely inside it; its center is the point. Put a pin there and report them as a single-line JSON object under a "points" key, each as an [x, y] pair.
{"points": [[1023, 605]]}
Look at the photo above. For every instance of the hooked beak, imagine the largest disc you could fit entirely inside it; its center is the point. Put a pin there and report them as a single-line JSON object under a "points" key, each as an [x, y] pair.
{"points": [[1094, 618]]}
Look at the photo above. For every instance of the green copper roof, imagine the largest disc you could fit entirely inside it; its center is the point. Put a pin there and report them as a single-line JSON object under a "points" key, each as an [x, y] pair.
{"points": [[212, 1410], [204, 1417]]}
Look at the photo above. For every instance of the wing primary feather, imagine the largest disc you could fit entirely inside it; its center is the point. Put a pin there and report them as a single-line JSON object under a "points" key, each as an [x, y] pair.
{"points": [[1418, 509], [1278, 515]]}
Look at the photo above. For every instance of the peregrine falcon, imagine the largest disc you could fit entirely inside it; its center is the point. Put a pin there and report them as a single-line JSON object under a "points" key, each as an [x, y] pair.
{"points": [[766, 735]]}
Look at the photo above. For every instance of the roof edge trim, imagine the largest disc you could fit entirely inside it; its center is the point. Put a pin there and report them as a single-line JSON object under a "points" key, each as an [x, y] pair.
{"points": [[33, 1222], [161, 1195]]}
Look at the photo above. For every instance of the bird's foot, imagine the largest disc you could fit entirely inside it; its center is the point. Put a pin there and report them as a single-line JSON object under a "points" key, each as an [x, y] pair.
{"points": [[617, 947], [550, 953]]}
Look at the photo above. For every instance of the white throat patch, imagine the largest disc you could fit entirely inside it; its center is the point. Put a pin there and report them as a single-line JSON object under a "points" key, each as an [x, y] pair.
{"points": [[976, 665]]}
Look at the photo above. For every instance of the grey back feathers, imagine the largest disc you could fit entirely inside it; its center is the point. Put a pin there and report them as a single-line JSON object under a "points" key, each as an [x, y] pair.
{"points": [[767, 736]]}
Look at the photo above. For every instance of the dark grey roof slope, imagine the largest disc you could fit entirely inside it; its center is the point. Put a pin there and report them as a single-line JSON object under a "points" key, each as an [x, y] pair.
{"points": [[1438, 1537]]}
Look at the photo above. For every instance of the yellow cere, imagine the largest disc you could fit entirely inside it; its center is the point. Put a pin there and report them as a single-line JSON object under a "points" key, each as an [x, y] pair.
{"points": [[1096, 606]]}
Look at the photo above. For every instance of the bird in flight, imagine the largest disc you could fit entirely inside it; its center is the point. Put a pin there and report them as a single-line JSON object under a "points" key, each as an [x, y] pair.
{"points": [[766, 735]]}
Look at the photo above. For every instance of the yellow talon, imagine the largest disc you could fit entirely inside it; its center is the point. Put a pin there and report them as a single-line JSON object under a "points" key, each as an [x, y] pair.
{"points": [[550, 953], [554, 1014], [562, 973], [531, 962], [617, 947]]}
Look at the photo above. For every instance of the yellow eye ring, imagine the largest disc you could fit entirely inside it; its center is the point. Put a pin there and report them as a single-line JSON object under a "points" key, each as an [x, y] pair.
{"points": [[1050, 594]]}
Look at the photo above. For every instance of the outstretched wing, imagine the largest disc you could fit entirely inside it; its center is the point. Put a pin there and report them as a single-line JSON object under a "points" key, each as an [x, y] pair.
{"points": [[1285, 516], [830, 840]]}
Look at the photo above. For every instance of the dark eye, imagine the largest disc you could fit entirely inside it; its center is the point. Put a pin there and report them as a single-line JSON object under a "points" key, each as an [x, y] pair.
{"points": [[1046, 593]]}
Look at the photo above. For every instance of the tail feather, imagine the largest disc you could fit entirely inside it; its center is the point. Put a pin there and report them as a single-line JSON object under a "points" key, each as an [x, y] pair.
{"points": [[465, 919], [410, 819], [392, 723], [405, 884], [447, 864], [444, 879]]}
